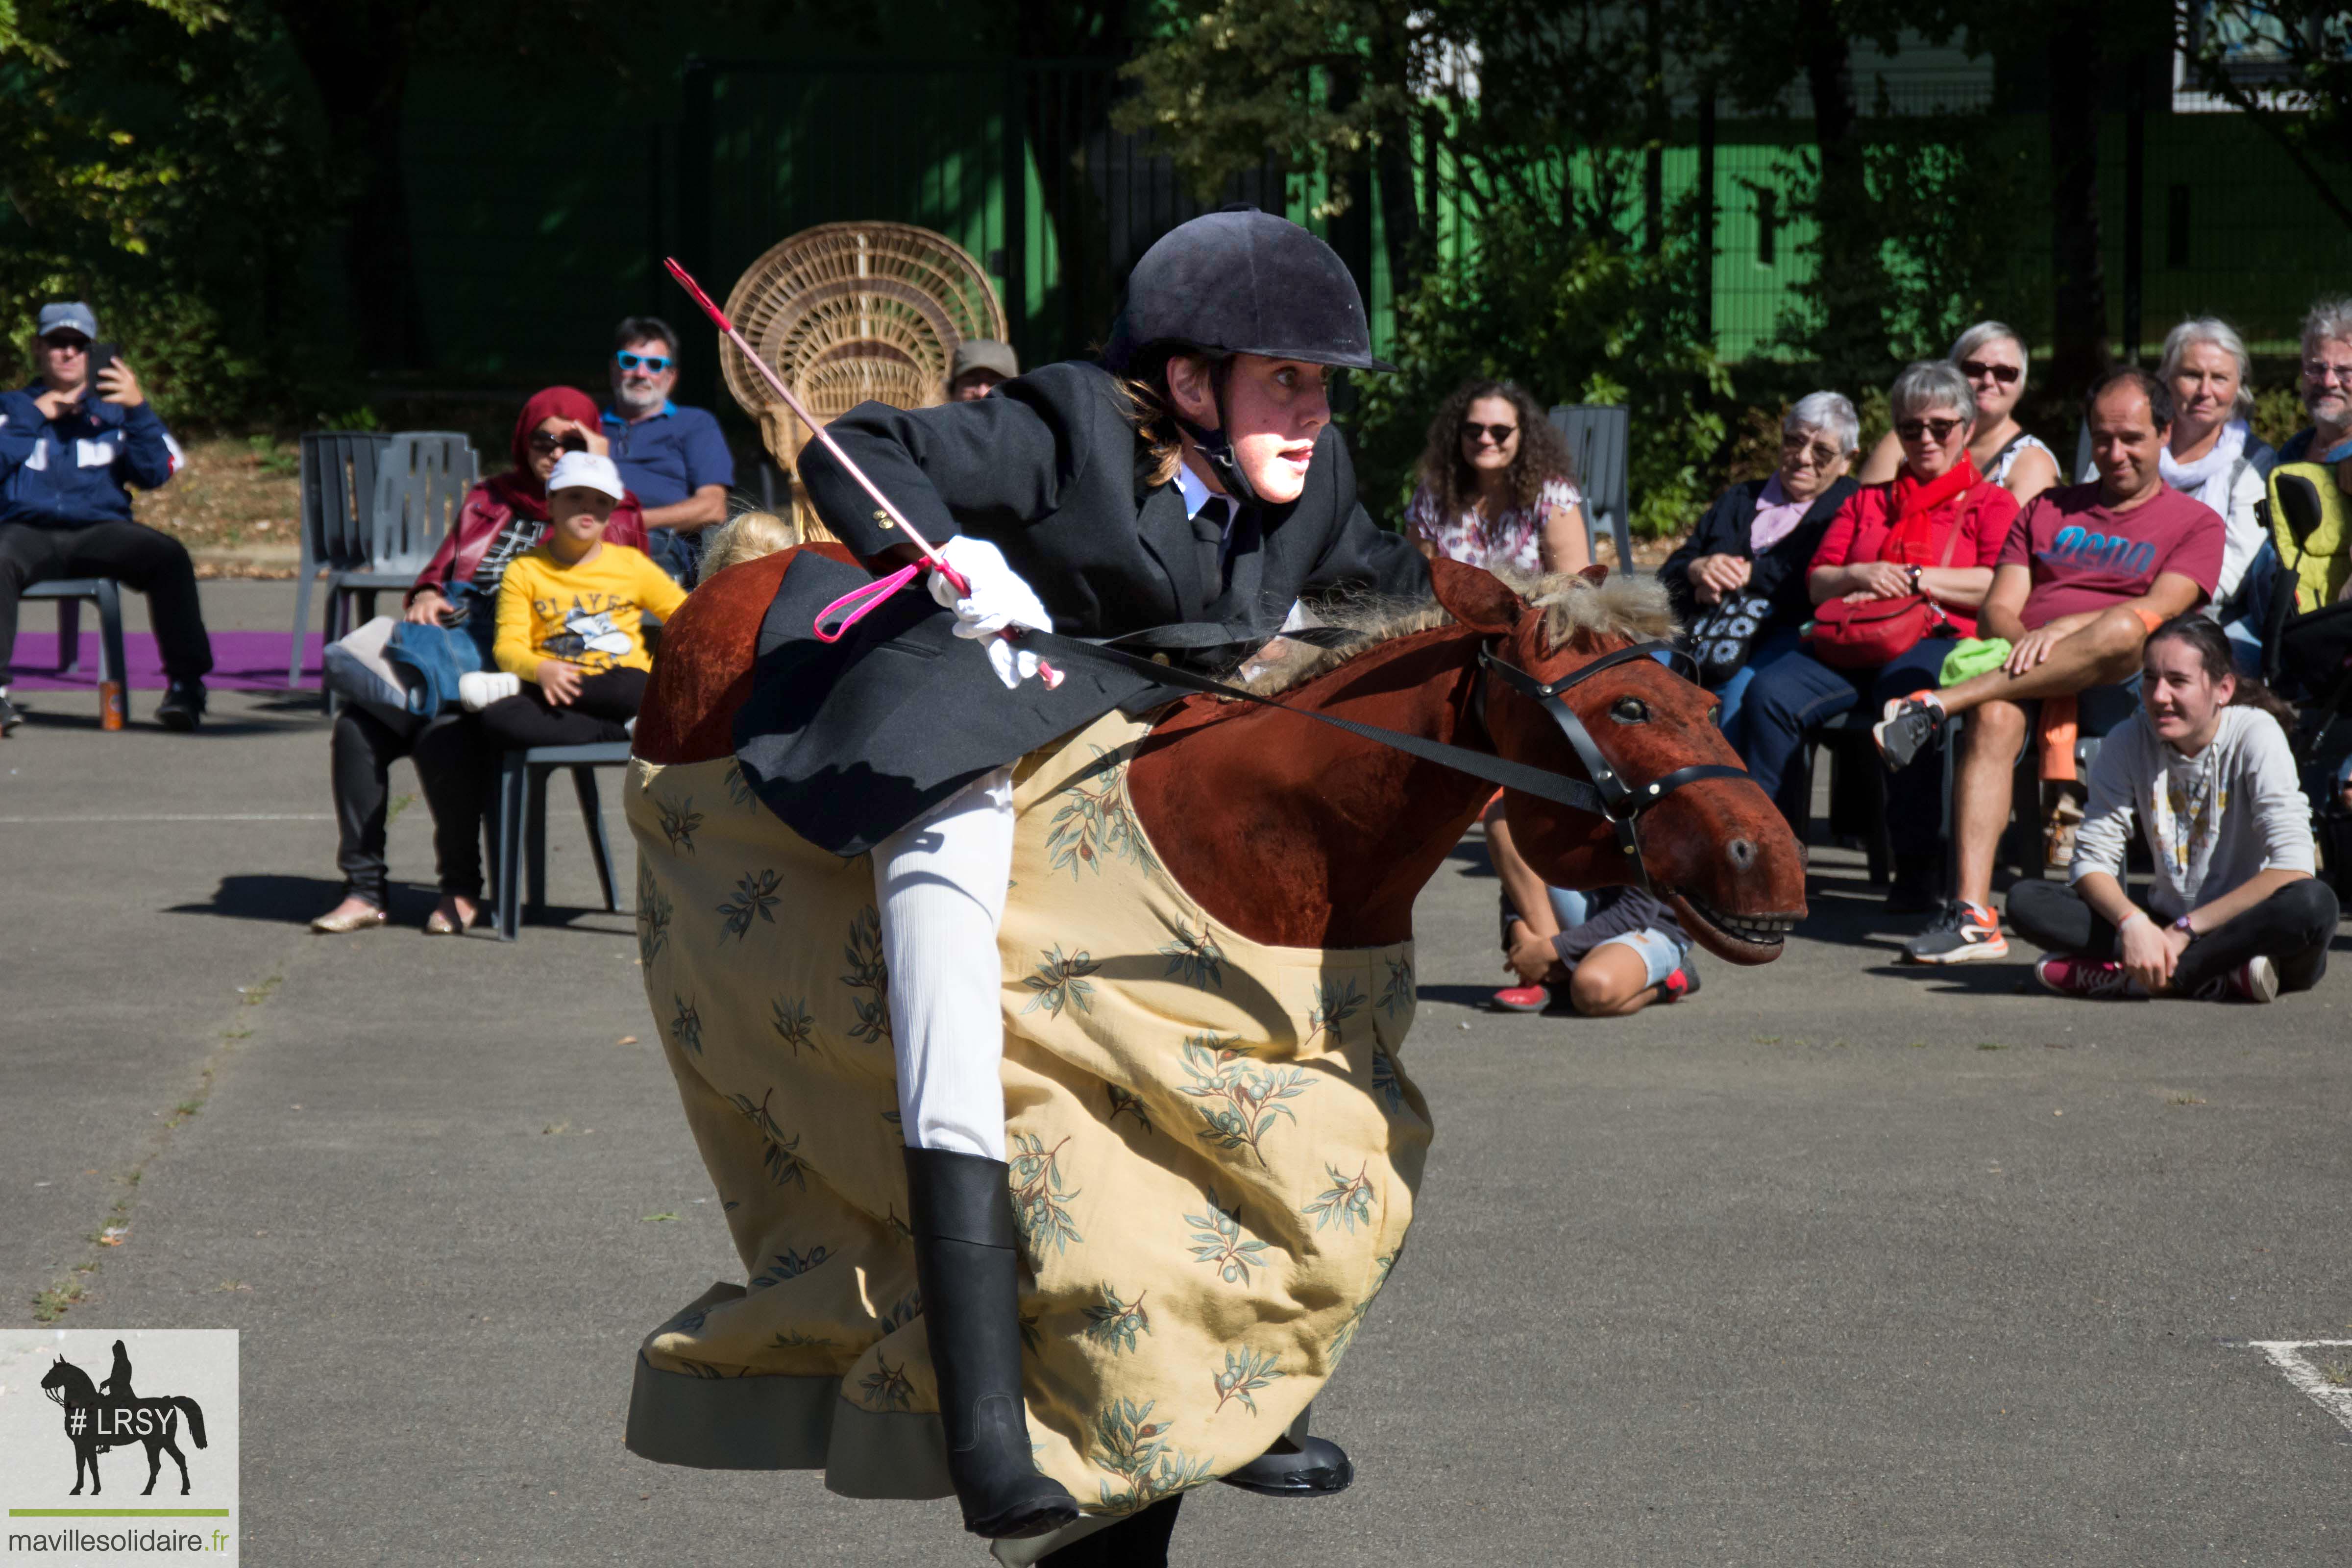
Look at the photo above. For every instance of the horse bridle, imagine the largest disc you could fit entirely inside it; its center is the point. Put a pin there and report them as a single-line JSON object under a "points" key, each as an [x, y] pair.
{"points": [[1622, 805], [1603, 793]]}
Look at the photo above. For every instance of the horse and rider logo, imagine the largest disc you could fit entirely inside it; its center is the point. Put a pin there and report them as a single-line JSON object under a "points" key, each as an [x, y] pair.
{"points": [[111, 1416]]}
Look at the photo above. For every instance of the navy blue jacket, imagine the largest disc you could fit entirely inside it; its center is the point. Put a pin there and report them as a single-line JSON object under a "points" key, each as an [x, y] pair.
{"points": [[1778, 574], [56, 473]]}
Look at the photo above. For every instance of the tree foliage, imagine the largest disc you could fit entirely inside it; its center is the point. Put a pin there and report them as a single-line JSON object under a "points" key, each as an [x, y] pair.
{"points": [[1572, 318], [154, 169]]}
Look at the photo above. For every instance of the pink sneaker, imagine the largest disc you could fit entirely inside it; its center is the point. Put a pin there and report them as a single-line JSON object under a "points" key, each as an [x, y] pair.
{"points": [[1521, 999], [2087, 977]]}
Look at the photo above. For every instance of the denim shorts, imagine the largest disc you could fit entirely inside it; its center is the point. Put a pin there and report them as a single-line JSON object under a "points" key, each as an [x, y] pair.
{"points": [[1661, 955]]}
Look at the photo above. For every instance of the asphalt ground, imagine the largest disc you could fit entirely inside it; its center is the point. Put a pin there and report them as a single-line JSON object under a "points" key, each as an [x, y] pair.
{"points": [[1838, 1262]]}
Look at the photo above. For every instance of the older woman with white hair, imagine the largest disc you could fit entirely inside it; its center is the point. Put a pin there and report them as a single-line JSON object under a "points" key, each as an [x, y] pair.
{"points": [[1739, 581], [1909, 561], [2214, 456], [1992, 357]]}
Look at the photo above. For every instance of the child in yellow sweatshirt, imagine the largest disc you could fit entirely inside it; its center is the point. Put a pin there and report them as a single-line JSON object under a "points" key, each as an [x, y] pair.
{"points": [[571, 619]]}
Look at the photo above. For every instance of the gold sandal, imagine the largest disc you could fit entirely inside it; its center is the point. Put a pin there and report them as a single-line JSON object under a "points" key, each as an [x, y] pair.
{"points": [[333, 925]]}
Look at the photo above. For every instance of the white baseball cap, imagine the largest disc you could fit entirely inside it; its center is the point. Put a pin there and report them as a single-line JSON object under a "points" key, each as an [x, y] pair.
{"points": [[586, 471]]}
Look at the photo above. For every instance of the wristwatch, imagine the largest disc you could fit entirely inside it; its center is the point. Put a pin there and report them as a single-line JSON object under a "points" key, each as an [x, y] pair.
{"points": [[2183, 927], [1913, 571]]}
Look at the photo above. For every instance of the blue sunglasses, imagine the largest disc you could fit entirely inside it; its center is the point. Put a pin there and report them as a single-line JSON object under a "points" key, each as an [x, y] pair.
{"points": [[654, 363]]}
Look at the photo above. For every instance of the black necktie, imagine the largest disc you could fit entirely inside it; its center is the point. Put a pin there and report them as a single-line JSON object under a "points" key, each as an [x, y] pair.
{"points": [[1208, 544]]}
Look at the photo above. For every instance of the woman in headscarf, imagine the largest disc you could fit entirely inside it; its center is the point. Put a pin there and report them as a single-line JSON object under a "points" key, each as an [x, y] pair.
{"points": [[503, 516]]}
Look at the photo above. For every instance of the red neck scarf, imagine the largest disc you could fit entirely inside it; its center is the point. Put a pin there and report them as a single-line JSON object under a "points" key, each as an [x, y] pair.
{"points": [[519, 488], [1911, 537]]}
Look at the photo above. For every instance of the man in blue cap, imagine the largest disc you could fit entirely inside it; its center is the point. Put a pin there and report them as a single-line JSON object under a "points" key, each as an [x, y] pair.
{"points": [[71, 444], [673, 459]]}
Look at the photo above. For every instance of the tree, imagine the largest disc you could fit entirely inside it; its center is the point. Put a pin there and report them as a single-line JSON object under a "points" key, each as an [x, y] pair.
{"points": [[1334, 85], [2299, 91]]}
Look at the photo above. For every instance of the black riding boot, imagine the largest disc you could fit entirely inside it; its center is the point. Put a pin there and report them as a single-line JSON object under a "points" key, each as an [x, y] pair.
{"points": [[1305, 1466], [966, 1263]]}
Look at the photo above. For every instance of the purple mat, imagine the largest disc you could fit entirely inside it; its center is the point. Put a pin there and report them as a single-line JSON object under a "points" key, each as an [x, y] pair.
{"points": [[242, 661]]}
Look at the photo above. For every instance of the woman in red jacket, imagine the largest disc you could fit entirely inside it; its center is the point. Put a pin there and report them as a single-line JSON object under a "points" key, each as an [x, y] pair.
{"points": [[503, 516], [1935, 531]]}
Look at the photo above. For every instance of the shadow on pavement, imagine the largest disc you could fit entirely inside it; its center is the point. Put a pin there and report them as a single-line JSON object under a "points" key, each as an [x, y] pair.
{"points": [[290, 901]]}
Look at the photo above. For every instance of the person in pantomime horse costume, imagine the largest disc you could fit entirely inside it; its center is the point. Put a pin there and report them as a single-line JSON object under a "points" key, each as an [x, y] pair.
{"points": [[1192, 495]]}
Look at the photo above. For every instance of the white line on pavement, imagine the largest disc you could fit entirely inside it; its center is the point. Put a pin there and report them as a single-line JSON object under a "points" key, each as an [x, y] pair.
{"points": [[2284, 1354], [228, 817]]}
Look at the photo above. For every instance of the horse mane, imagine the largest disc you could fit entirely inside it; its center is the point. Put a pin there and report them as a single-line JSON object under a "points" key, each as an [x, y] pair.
{"points": [[1620, 607]]}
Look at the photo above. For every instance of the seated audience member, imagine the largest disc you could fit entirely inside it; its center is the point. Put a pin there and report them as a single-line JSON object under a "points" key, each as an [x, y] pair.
{"points": [[1933, 531], [2214, 455], [1992, 357], [2327, 386], [979, 364], [746, 536], [1497, 489], [673, 459], [502, 516], [572, 620], [2088, 571], [1617, 950], [2233, 909], [1753, 546], [69, 452]]}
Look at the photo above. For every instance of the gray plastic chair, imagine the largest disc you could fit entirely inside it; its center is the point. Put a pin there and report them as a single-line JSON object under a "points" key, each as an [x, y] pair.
{"points": [[1597, 436], [103, 592], [421, 480], [339, 468], [375, 507], [519, 825]]}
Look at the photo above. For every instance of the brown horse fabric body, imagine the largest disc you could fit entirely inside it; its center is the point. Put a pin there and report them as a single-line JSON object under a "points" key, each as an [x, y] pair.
{"points": [[1214, 1148], [1208, 977]]}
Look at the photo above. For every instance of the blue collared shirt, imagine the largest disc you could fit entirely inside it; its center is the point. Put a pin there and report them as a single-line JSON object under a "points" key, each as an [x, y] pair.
{"points": [[667, 457]]}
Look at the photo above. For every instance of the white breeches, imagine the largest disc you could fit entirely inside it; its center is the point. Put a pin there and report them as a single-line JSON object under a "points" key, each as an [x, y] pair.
{"points": [[939, 885]]}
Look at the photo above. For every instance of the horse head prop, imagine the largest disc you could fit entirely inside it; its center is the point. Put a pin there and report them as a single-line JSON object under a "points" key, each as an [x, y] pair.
{"points": [[1569, 684]]}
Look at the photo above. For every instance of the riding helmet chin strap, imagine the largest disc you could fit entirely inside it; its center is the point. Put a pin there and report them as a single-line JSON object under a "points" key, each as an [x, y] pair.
{"points": [[1216, 446]]}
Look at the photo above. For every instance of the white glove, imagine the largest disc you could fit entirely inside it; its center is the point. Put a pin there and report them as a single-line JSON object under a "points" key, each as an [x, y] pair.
{"points": [[999, 598]]}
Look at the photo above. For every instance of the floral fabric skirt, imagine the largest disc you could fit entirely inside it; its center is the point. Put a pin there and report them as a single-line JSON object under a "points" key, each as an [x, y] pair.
{"points": [[1213, 1147]]}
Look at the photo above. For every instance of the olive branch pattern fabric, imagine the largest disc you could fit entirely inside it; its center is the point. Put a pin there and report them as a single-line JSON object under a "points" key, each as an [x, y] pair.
{"points": [[1213, 1143]]}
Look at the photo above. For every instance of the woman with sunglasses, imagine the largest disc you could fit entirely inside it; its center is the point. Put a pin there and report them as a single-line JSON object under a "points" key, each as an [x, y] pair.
{"points": [[1497, 487], [503, 516], [1992, 357], [1935, 532]]}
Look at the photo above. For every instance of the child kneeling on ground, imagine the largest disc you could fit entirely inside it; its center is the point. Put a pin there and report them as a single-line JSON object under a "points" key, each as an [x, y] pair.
{"points": [[1617, 950], [570, 641], [2233, 908]]}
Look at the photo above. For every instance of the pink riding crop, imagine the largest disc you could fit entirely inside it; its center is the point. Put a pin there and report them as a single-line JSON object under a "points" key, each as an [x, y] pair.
{"points": [[856, 604]]}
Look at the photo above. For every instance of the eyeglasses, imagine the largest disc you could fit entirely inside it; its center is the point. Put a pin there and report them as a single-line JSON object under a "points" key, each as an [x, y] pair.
{"points": [[1941, 430], [62, 342], [2319, 372], [653, 363], [1499, 433], [1820, 452], [1977, 370], [540, 441]]}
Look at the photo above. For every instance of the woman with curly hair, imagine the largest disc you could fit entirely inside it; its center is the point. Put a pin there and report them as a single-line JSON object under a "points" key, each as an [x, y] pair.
{"points": [[1497, 487]]}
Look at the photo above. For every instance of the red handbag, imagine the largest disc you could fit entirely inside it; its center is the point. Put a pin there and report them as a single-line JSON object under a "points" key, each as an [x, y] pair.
{"points": [[1869, 633]]}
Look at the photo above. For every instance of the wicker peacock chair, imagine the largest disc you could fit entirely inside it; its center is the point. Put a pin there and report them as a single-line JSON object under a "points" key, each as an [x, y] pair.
{"points": [[851, 311]]}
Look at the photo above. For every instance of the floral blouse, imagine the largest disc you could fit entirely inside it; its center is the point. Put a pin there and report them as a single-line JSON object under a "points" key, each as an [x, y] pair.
{"points": [[1511, 540]]}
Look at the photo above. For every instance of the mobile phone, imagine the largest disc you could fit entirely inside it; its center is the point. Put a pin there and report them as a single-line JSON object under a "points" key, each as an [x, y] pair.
{"points": [[102, 357]]}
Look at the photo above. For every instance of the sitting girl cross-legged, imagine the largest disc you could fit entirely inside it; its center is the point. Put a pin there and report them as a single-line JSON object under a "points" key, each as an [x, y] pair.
{"points": [[571, 638], [2233, 910]]}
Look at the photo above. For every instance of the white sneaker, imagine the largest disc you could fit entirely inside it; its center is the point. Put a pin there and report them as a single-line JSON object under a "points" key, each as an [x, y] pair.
{"points": [[477, 689], [2256, 980]]}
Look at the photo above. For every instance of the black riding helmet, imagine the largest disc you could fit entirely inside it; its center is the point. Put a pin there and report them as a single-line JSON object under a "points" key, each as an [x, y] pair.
{"points": [[1240, 281]]}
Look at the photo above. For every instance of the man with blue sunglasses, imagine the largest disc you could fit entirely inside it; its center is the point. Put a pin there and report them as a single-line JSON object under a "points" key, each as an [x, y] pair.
{"points": [[673, 458]]}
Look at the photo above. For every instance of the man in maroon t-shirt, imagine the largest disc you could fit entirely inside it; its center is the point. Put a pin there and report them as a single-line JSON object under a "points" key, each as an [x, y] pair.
{"points": [[2088, 571]]}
